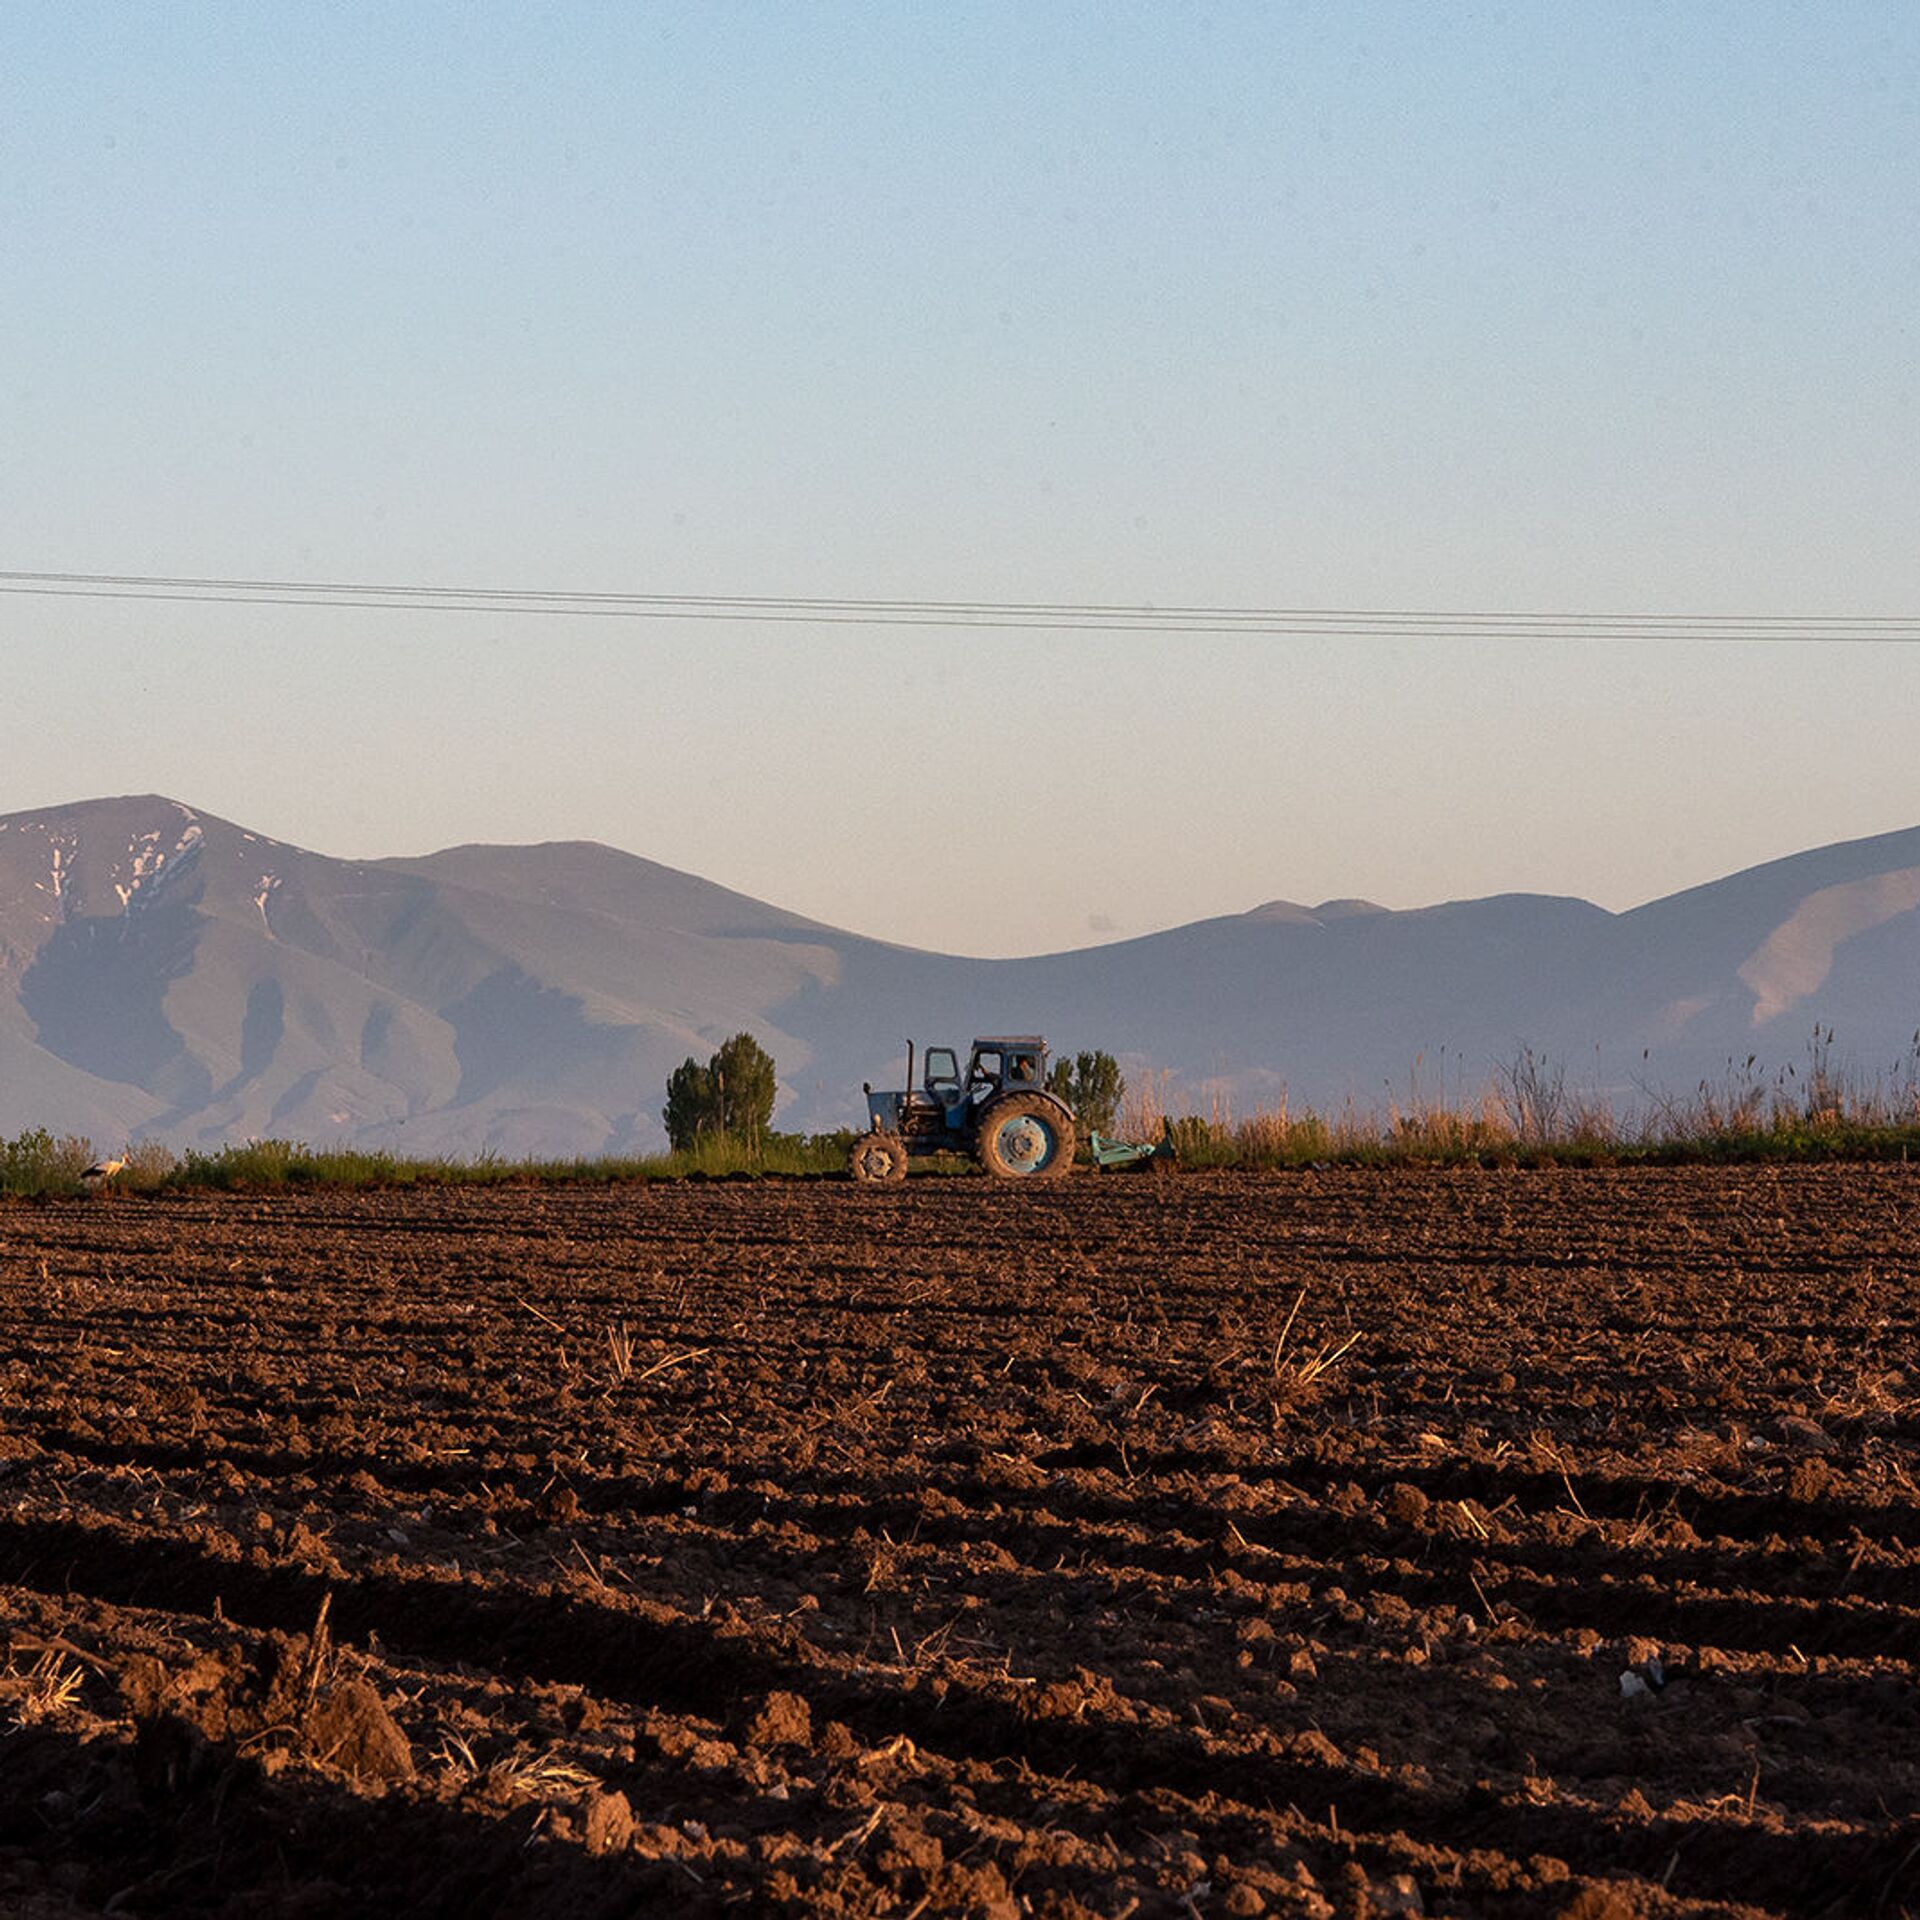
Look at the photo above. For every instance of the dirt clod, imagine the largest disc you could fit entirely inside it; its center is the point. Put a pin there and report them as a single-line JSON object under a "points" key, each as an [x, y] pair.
{"points": [[1406, 1505], [781, 1720], [1599, 1903], [351, 1729], [606, 1822]]}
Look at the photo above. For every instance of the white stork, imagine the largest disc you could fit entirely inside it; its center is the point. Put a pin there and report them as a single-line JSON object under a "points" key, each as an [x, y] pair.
{"points": [[103, 1170]]}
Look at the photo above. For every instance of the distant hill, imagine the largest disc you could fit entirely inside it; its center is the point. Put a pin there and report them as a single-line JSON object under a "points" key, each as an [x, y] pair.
{"points": [[165, 972]]}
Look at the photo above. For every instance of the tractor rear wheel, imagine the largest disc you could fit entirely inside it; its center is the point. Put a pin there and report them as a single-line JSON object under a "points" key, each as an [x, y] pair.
{"points": [[878, 1157], [1025, 1137]]}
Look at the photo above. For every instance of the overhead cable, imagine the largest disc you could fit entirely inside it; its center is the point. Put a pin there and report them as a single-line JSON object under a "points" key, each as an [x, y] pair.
{"points": [[1033, 616]]}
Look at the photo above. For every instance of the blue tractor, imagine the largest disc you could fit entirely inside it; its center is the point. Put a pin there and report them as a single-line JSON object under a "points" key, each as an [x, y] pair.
{"points": [[998, 1112]]}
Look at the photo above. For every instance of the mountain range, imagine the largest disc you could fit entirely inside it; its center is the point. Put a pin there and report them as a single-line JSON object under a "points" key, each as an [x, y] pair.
{"points": [[164, 972]]}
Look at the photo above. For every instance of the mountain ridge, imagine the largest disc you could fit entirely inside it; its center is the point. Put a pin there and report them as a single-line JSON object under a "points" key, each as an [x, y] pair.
{"points": [[166, 971]]}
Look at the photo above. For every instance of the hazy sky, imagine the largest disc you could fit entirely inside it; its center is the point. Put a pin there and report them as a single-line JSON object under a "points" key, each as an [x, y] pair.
{"points": [[1590, 309]]}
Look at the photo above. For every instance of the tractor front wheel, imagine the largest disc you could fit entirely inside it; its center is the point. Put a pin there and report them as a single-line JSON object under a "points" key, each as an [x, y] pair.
{"points": [[1025, 1137], [878, 1157]]}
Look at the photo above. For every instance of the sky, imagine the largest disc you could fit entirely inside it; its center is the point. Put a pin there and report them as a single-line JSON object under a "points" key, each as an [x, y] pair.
{"points": [[1582, 310]]}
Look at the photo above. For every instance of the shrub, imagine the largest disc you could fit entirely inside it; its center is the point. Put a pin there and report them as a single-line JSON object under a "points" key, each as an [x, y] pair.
{"points": [[36, 1162]]}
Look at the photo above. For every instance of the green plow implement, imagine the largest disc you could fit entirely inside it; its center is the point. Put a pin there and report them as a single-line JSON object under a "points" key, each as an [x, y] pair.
{"points": [[1127, 1153]]}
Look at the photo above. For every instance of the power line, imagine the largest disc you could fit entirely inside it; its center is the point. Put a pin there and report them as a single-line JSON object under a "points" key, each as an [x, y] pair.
{"points": [[1032, 616]]}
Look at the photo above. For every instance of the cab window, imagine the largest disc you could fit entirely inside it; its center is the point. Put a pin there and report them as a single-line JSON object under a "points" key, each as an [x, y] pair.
{"points": [[943, 1068], [1023, 1069]]}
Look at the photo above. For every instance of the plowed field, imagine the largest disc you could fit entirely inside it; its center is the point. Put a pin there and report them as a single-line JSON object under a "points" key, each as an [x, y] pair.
{"points": [[1480, 1543]]}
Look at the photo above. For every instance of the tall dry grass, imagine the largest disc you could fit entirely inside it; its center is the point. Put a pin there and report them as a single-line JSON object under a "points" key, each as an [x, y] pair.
{"points": [[1531, 1111]]}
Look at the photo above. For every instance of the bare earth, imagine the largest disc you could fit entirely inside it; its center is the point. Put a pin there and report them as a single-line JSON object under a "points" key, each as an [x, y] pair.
{"points": [[1192, 1546]]}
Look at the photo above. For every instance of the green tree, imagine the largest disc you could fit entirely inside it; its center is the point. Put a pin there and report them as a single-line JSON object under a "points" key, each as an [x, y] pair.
{"points": [[743, 1088], [732, 1094], [1091, 1084], [689, 1111]]}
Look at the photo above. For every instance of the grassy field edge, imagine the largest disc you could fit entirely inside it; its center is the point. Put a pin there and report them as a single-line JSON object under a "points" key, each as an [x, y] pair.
{"points": [[39, 1165]]}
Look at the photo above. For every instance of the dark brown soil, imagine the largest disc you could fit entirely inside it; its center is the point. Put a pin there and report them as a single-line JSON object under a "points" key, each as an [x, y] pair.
{"points": [[1529, 1544]]}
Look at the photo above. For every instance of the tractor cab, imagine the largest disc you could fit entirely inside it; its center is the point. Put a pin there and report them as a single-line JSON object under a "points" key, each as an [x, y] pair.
{"points": [[1006, 1065]]}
